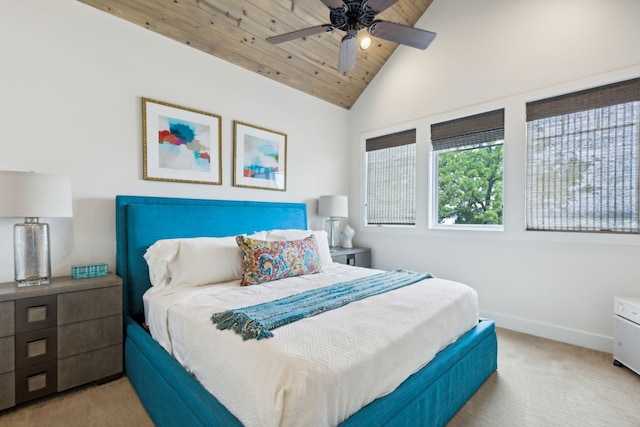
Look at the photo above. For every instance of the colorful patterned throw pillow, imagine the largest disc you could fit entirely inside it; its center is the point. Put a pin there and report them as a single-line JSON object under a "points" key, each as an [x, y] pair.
{"points": [[264, 261]]}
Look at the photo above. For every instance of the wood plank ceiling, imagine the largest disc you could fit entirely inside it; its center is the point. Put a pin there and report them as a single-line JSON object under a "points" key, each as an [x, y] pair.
{"points": [[236, 31]]}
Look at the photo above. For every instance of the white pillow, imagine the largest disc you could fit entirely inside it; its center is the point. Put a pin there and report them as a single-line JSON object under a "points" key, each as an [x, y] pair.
{"points": [[294, 234], [195, 261], [158, 257], [204, 260]]}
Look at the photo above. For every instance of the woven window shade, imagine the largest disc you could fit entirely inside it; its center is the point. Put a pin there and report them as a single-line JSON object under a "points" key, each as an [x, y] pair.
{"points": [[392, 140], [582, 160], [468, 131], [391, 179], [589, 99]]}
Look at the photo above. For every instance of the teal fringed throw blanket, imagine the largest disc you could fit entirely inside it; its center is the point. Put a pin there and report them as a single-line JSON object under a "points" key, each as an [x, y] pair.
{"points": [[259, 320]]}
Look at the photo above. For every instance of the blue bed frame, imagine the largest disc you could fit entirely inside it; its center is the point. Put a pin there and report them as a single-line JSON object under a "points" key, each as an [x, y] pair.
{"points": [[172, 397]]}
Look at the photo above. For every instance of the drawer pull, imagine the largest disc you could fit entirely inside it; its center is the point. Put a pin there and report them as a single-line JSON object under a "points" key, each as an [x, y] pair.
{"points": [[37, 313], [36, 348], [37, 382]]}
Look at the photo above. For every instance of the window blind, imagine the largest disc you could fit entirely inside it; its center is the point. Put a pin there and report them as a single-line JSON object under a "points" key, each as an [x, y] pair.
{"points": [[392, 140], [589, 99], [391, 179], [583, 160], [468, 131]]}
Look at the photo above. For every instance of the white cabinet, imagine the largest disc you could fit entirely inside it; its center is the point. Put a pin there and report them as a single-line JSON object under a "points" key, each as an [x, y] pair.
{"points": [[626, 332]]}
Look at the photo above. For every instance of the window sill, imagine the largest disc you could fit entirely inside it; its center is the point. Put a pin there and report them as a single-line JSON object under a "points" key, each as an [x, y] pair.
{"points": [[468, 227]]}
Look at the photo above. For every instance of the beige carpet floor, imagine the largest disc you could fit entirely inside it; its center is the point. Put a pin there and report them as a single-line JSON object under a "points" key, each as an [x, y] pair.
{"points": [[546, 383], [539, 383]]}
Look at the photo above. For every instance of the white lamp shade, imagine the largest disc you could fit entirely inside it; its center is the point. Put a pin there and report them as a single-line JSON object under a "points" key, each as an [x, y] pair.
{"points": [[34, 195], [333, 206]]}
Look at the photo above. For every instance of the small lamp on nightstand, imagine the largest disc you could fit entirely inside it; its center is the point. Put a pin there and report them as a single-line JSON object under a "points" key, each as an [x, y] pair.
{"points": [[32, 195], [333, 207]]}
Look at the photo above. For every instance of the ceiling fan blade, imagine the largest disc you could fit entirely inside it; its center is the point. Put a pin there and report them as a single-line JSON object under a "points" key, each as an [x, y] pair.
{"points": [[333, 4], [300, 33], [348, 52], [379, 5], [398, 33]]}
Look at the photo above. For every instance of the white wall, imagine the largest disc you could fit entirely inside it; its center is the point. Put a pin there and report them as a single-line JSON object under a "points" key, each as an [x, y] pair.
{"points": [[71, 83], [492, 54]]}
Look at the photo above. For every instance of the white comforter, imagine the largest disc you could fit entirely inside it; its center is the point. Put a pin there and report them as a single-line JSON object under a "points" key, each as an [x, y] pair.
{"points": [[317, 371]]}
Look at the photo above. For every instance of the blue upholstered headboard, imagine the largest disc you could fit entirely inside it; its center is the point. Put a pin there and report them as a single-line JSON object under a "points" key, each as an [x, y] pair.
{"points": [[140, 221]]}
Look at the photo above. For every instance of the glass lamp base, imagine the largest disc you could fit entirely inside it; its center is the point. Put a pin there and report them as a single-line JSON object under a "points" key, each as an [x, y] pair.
{"points": [[332, 233], [36, 282], [32, 261]]}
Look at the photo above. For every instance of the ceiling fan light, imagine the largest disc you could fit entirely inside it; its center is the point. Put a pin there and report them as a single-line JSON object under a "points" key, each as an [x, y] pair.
{"points": [[365, 42]]}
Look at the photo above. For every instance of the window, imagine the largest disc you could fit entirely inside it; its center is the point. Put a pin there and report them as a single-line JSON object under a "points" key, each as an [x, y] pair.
{"points": [[391, 179], [582, 160], [468, 154]]}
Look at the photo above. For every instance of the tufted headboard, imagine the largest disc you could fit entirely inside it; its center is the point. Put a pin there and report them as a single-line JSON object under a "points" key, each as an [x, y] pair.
{"points": [[141, 221]]}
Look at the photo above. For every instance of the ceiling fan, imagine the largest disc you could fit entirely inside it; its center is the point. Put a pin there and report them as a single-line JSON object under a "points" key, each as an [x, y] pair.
{"points": [[352, 16]]}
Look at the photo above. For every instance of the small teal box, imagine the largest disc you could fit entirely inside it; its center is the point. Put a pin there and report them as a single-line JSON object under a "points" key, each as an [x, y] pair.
{"points": [[90, 270]]}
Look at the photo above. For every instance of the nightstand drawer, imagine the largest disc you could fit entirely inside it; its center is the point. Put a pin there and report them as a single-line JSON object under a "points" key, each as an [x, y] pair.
{"points": [[36, 313], [363, 259], [86, 305], [7, 319], [7, 390], [36, 347], [7, 354], [79, 337], [36, 381], [91, 366], [341, 259]]}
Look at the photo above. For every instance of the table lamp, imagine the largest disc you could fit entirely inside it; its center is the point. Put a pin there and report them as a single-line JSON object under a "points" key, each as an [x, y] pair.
{"points": [[333, 207], [33, 195]]}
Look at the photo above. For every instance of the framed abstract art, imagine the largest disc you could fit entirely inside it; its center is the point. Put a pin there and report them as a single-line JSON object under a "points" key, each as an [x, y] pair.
{"points": [[259, 157], [181, 144]]}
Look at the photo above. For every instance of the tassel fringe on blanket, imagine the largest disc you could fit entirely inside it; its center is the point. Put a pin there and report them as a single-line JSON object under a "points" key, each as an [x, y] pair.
{"points": [[259, 320]]}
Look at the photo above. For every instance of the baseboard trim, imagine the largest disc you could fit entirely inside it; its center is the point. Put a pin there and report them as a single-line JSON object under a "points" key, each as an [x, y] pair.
{"points": [[552, 332]]}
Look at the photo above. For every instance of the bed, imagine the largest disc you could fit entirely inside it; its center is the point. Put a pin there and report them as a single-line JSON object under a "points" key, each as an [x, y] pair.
{"points": [[171, 394]]}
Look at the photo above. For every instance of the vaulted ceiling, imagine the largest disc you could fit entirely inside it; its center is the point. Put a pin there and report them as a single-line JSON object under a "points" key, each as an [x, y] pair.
{"points": [[236, 30]]}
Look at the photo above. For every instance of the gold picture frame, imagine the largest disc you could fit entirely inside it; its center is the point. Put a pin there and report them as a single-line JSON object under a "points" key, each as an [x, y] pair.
{"points": [[181, 144], [259, 157]]}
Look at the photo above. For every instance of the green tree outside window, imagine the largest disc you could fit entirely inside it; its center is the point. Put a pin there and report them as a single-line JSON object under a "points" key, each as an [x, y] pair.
{"points": [[470, 186]]}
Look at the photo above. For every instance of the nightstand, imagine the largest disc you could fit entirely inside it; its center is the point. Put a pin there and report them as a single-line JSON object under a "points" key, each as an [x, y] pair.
{"points": [[58, 336], [360, 257]]}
